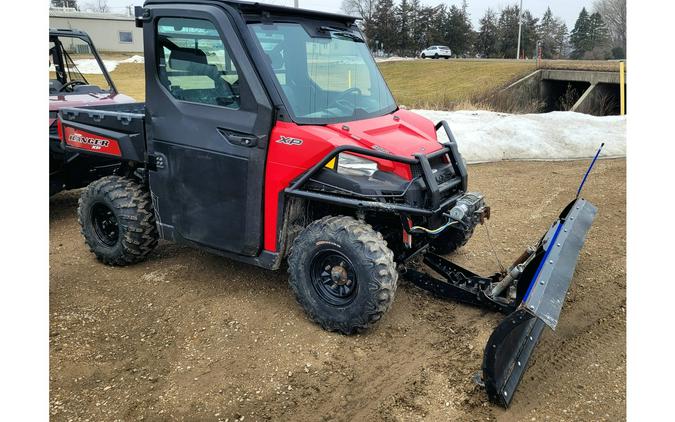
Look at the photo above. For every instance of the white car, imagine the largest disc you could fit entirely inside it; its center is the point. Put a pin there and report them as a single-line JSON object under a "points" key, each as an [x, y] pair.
{"points": [[436, 52]]}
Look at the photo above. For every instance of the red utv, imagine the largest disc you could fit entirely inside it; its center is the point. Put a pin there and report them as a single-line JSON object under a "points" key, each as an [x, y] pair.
{"points": [[68, 87], [269, 136]]}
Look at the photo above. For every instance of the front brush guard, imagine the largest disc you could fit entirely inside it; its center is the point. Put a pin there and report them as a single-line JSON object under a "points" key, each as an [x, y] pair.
{"points": [[547, 278]]}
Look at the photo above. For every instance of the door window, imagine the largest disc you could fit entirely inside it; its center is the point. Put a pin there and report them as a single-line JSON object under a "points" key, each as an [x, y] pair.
{"points": [[194, 63]]}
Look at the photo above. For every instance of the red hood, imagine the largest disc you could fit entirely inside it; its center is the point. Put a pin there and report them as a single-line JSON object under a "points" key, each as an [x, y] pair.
{"points": [[57, 102], [405, 136]]}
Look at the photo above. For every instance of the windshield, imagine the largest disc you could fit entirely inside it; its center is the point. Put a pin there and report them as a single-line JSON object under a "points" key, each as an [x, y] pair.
{"points": [[327, 78], [73, 67]]}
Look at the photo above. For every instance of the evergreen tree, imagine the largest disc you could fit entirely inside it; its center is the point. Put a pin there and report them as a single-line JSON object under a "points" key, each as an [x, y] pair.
{"points": [[459, 33], [529, 36], [486, 43], [507, 29], [385, 25], [580, 36], [417, 26], [404, 18], [548, 31], [425, 19], [437, 32], [598, 35], [562, 40]]}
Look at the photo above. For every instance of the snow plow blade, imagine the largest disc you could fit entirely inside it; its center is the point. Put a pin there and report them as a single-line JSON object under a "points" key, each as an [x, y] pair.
{"points": [[511, 344]]}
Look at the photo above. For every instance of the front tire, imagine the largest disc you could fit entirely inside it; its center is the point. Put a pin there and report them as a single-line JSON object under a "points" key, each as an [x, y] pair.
{"points": [[342, 273], [117, 221], [424, 56]]}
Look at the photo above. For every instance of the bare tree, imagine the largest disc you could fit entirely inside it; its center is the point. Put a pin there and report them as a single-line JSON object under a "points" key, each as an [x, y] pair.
{"points": [[98, 6], [361, 8], [72, 4], [613, 13], [364, 9]]}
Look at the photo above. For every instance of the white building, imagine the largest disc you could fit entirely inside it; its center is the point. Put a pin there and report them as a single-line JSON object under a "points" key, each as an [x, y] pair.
{"points": [[109, 32]]}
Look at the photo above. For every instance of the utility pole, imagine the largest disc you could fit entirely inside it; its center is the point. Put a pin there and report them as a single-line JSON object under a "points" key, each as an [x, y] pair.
{"points": [[295, 3], [520, 28]]}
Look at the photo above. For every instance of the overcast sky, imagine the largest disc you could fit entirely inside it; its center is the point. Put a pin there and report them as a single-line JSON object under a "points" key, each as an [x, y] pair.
{"points": [[568, 10]]}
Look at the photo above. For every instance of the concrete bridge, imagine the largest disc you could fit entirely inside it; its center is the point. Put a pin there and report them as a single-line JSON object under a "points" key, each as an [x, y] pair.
{"points": [[594, 92]]}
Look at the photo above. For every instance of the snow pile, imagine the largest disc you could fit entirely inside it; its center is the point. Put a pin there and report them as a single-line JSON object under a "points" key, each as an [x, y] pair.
{"points": [[561, 135], [134, 59], [393, 59], [91, 67]]}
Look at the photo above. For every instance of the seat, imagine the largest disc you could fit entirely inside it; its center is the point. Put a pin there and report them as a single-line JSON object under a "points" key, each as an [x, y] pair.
{"points": [[54, 86], [87, 89], [185, 59], [193, 62]]}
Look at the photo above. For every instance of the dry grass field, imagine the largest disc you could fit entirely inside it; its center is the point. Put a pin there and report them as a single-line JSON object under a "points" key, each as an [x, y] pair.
{"points": [[442, 84], [415, 84], [428, 84]]}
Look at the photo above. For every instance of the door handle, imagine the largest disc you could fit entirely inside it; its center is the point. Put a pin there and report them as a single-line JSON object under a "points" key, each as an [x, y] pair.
{"points": [[238, 138]]}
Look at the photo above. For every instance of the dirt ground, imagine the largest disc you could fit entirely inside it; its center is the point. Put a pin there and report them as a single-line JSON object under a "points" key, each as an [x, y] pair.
{"points": [[192, 336]]}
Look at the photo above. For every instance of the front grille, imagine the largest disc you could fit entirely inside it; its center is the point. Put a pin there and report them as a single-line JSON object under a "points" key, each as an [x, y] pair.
{"points": [[443, 175], [416, 170], [437, 162]]}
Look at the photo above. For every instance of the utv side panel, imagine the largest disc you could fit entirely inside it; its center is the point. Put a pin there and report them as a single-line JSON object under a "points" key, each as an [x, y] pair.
{"points": [[209, 189], [116, 130]]}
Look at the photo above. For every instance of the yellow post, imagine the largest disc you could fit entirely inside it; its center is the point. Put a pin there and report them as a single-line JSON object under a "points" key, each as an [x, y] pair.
{"points": [[622, 86]]}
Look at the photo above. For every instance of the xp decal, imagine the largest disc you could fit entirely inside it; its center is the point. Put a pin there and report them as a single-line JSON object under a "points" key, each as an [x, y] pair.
{"points": [[90, 142], [289, 141]]}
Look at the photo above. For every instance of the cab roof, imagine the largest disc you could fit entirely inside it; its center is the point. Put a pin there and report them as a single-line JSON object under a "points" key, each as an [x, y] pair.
{"points": [[250, 7], [68, 33]]}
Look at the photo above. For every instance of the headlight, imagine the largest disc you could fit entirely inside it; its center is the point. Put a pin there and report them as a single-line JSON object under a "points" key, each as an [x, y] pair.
{"points": [[351, 165]]}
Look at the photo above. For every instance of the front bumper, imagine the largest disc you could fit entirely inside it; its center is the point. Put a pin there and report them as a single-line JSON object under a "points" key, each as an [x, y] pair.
{"points": [[440, 193]]}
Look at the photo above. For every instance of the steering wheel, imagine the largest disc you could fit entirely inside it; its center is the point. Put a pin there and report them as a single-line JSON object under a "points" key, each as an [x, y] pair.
{"points": [[339, 101], [71, 84]]}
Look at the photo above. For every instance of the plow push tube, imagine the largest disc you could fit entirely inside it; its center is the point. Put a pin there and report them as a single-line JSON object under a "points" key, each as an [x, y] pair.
{"points": [[510, 346]]}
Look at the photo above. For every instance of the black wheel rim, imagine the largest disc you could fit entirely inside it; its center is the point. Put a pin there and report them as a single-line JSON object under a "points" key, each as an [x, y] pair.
{"points": [[334, 277], [105, 224]]}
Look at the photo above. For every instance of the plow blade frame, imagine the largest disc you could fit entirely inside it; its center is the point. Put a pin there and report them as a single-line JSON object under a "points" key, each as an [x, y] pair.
{"points": [[511, 344]]}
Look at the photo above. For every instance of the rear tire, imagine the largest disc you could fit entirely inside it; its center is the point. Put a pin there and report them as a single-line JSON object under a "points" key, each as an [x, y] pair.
{"points": [[342, 273], [436, 56], [117, 221], [424, 56]]}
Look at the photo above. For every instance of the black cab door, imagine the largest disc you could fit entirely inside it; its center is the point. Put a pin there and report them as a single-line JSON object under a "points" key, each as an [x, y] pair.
{"points": [[208, 122]]}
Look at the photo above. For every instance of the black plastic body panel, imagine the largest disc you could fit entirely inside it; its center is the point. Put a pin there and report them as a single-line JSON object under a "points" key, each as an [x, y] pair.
{"points": [[125, 123]]}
